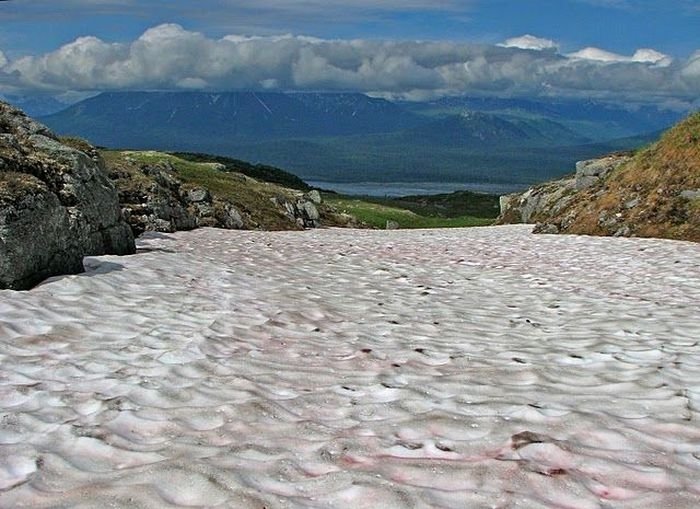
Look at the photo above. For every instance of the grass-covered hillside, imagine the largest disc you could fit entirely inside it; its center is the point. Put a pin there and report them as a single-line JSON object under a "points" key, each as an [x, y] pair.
{"points": [[261, 172], [458, 209], [656, 194], [165, 192]]}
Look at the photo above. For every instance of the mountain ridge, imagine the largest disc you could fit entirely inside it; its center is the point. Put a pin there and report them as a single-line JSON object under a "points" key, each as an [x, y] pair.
{"points": [[243, 115]]}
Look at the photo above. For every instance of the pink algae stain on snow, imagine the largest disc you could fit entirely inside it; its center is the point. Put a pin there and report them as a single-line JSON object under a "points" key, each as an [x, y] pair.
{"points": [[614, 493], [462, 368]]}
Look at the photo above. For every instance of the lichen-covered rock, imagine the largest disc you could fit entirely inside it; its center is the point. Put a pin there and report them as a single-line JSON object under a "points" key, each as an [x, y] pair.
{"points": [[56, 205]]}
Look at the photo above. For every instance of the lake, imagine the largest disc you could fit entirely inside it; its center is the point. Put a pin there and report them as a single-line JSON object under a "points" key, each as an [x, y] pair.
{"points": [[393, 189]]}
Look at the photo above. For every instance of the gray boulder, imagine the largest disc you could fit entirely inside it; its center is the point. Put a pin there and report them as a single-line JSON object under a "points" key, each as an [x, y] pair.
{"points": [[314, 196], [56, 205], [591, 171], [309, 213], [232, 218]]}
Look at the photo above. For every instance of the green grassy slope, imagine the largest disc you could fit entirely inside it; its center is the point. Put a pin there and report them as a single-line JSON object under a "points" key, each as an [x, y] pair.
{"points": [[460, 209]]}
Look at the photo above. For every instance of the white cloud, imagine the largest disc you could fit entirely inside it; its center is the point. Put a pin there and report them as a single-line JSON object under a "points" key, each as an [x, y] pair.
{"points": [[170, 57], [644, 56], [530, 42], [598, 55], [651, 56], [3, 59], [691, 70]]}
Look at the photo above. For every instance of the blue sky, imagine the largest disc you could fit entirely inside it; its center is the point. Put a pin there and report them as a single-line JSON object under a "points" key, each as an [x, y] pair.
{"points": [[34, 32], [670, 26]]}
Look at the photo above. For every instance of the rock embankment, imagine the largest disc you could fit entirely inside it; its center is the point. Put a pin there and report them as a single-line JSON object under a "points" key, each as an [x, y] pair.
{"points": [[56, 204], [653, 193]]}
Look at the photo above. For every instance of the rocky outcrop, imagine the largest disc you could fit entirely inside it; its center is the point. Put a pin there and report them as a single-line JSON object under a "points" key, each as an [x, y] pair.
{"points": [[653, 193], [162, 192], [157, 201], [301, 208], [539, 203], [56, 204], [536, 203]]}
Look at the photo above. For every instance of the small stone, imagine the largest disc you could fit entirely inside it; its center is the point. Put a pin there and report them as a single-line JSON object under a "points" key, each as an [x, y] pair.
{"points": [[392, 225], [632, 203], [690, 194], [547, 228], [198, 195], [625, 231]]}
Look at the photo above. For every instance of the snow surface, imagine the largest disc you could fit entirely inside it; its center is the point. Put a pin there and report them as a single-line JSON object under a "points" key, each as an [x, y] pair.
{"points": [[333, 368]]}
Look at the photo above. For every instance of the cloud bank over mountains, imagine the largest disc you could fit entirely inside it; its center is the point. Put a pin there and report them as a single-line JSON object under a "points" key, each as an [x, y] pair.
{"points": [[170, 57]]}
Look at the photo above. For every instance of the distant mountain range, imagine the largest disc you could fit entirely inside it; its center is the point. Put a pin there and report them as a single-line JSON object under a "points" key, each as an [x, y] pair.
{"points": [[35, 106], [178, 117], [352, 137], [596, 120], [476, 129]]}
